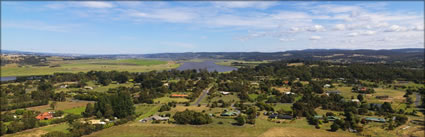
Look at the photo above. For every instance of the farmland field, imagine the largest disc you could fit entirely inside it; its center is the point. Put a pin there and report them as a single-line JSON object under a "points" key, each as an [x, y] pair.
{"points": [[74, 66]]}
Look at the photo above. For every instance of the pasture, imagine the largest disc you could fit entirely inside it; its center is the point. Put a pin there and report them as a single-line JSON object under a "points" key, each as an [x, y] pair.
{"points": [[74, 66]]}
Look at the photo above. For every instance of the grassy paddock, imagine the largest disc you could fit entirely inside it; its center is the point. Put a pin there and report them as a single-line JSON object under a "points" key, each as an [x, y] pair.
{"points": [[74, 66]]}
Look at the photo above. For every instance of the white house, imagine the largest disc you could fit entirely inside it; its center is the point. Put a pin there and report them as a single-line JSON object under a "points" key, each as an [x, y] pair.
{"points": [[224, 92]]}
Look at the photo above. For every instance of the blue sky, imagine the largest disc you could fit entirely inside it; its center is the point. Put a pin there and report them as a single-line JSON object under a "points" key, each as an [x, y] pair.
{"points": [[194, 26]]}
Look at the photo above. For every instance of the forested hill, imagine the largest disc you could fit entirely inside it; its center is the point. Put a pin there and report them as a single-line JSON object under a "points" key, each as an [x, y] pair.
{"points": [[333, 55], [413, 57]]}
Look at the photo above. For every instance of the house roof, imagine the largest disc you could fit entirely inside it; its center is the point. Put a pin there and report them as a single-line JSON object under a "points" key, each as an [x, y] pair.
{"points": [[45, 115], [375, 119]]}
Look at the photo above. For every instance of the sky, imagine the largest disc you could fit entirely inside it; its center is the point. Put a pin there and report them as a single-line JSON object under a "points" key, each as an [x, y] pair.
{"points": [[141, 27]]}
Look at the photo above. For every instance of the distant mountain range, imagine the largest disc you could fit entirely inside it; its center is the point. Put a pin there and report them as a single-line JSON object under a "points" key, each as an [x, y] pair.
{"points": [[335, 55]]}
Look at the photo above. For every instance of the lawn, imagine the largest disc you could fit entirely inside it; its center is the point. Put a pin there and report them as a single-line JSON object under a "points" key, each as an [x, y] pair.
{"points": [[36, 132], [168, 99], [70, 106], [146, 110], [76, 110], [74, 66]]}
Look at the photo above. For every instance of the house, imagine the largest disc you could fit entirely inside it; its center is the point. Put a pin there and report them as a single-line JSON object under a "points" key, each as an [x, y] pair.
{"points": [[374, 105], [44, 116], [165, 84], [96, 122], [224, 92], [283, 116], [363, 89], [327, 85], [330, 118], [373, 119], [355, 100], [285, 82], [287, 93], [382, 97], [229, 113], [88, 87], [179, 95], [333, 92], [64, 86], [273, 115], [155, 117]]}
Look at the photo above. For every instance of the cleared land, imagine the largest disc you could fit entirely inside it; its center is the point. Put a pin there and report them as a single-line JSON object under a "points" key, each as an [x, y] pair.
{"points": [[75, 107], [74, 66]]}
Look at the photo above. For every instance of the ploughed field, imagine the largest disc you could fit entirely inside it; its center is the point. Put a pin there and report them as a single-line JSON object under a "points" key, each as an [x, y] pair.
{"points": [[74, 66]]}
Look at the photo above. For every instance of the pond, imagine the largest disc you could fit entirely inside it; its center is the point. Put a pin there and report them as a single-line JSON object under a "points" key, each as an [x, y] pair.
{"points": [[209, 65]]}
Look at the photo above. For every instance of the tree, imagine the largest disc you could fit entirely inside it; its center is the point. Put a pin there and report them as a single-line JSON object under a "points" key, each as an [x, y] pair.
{"points": [[89, 110], [360, 97], [108, 111], [53, 105], [240, 120], [334, 127], [192, 117]]}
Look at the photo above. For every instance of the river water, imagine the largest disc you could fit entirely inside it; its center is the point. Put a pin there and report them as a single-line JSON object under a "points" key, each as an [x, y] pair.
{"points": [[209, 65]]}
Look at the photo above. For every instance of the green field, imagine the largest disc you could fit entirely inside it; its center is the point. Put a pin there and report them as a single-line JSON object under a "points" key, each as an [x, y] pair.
{"points": [[74, 66]]}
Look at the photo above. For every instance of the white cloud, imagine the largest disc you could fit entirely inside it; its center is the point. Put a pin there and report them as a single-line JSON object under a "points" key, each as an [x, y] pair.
{"points": [[315, 38], [316, 28], [395, 28], [245, 4], [95, 4], [339, 27], [369, 32], [353, 34], [169, 15]]}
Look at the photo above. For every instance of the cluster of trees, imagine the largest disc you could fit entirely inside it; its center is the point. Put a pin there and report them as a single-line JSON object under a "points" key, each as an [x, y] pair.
{"points": [[192, 117], [119, 105], [168, 106]]}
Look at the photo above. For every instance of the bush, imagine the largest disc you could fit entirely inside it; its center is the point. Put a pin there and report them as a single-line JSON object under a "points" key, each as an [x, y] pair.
{"points": [[240, 120], [55, 134], [191, 117]]}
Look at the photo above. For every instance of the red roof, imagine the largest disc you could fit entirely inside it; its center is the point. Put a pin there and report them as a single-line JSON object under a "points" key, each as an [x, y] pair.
{"points": [[44, 116], [179, 95]]}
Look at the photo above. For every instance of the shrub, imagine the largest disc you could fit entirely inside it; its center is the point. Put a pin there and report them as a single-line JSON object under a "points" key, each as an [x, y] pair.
{"points": [[191, 117]]}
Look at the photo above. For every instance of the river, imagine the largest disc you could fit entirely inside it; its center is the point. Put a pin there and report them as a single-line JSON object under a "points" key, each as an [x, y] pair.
{"points": [[209, 65]]}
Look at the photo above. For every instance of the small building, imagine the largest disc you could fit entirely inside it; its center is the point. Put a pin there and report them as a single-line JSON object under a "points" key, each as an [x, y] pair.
{"points": [[63, 86], [330, 118], [273, 115], [333, 92], [165, 84], [88, 87], [224, 92], [155, 117], [178, 96], [373, 119], [283, 116], [96, 122], [327, 85], [44, 116], [382, 97], [229, 113], [286, 82], [287, 93], [355, 100]]}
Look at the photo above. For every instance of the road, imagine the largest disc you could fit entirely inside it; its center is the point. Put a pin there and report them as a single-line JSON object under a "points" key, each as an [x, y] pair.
{"points": [[204, 93], [418, 102]]}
